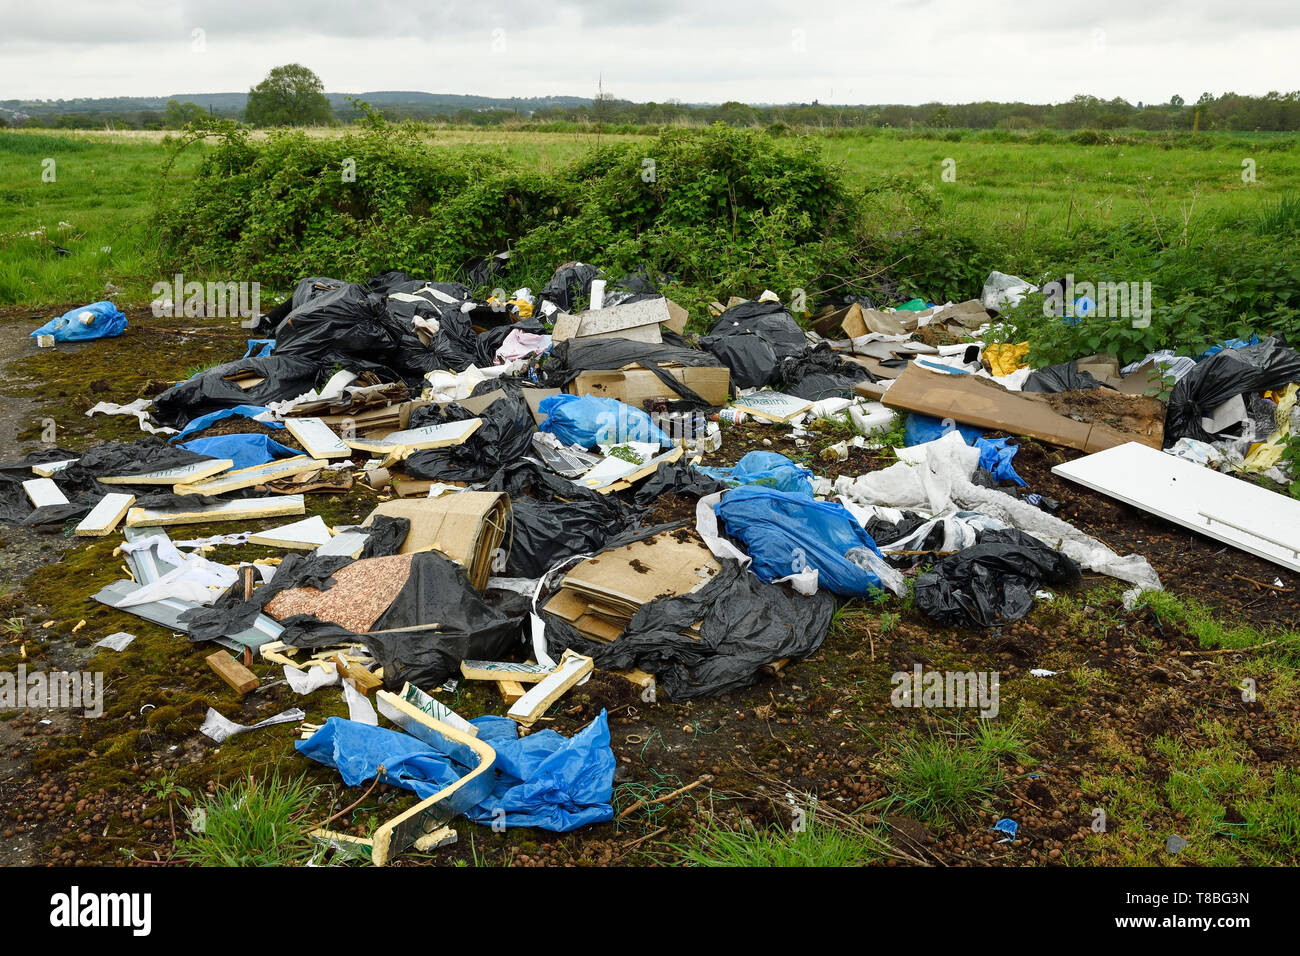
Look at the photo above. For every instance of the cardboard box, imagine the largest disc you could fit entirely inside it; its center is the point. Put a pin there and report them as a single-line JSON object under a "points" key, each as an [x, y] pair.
{"points": [[978, 401], [635, 386]]}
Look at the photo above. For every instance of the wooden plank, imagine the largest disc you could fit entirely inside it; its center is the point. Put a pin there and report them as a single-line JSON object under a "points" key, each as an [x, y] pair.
{"points": [[195, 471], [244, 509], [44, 492], [420, 824], [511, 691], [103, 518], [317, 438], [573, 668], [504, 670], [232, 672], [362, 679], [248, 477]]}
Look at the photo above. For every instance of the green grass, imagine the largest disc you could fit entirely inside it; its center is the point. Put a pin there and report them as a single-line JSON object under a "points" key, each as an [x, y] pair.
{"points": [[253, 823], [817, 844], [944, 776]]}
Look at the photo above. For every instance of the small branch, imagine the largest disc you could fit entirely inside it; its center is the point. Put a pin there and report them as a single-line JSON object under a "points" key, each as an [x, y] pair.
{"points": [[667, 796]]}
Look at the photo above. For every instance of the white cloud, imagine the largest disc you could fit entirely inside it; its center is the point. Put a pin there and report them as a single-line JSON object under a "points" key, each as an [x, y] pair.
{"points": [[945, 50]]}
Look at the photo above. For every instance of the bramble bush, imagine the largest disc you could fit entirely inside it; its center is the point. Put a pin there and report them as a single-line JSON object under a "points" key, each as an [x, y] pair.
{"points": [[722, 212]]}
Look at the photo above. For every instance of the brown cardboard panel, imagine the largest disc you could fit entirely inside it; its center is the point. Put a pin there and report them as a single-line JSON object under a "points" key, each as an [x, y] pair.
{"points": [[635, 386], [861, 321], [465, 526], [977, 401], [534, 397], [677, 317]]}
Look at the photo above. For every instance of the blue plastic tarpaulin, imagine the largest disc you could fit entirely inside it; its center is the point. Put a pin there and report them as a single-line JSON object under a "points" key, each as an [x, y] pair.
{"points": [[786, 533], [995, 453], [244, 451], [590, 421], [766, 468], [211, 418], [99, 320], [544, 780]]}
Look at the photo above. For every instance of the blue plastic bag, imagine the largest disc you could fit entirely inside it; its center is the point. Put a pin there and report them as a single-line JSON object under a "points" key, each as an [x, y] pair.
{"points": [[768, 469], [543, 780], [590, 421], [919, 429], [786, 533], [995, 453], [105, 322], [244, 451], [258, 348], [211, 418]]}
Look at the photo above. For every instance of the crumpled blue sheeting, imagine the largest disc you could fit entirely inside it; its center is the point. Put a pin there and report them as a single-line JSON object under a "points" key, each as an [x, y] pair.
{"points": [[766, 468], [107, 322], [204, 421], [544, 780], [590, 421], [786, 533], [244, 451]]}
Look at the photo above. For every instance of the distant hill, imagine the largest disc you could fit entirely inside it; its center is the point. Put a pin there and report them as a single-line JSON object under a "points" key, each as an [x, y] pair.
{"points": [[235, 102]]}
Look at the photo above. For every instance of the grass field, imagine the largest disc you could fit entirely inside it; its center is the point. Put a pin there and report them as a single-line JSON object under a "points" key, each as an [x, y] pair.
{"points": [[100, 203]]}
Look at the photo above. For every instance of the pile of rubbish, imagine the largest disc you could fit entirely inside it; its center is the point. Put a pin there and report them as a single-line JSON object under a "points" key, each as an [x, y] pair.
{"points": [[520, 449]]}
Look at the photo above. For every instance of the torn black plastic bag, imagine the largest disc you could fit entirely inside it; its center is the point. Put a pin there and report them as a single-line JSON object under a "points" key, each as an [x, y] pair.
{"points": [[505, 436], [570, 285], [1224, 375], [753, 339], [819, 373], [436, 621], [283, 377], [573, 356], [675, 479], [1054, 379], [15, 506], [553, 519], [344, 324], [992, 582], [744, 624]]}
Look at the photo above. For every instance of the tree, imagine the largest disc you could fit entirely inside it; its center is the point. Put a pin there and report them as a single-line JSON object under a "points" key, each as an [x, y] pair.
{"points": [[1176, 100], [291, 95], [178, 114]]}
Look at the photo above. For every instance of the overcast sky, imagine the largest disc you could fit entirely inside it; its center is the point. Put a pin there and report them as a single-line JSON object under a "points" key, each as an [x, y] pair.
{"points": [[897, 51]]}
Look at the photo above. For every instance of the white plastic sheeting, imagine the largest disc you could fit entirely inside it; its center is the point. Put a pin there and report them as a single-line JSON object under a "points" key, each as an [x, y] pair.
{"points": [[936, 480]]}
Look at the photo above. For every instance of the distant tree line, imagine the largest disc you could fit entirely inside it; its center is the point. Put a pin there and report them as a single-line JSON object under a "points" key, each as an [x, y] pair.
{"points": [[292, 95]]}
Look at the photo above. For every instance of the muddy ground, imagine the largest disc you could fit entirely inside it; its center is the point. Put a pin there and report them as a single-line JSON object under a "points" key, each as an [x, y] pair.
{"points": [[1137, 703]]}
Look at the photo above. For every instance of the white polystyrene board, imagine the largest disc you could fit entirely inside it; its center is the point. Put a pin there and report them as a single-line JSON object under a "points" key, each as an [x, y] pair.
{"points": [[1236, 512], [308, 533], [42, 492], [319, 440]]}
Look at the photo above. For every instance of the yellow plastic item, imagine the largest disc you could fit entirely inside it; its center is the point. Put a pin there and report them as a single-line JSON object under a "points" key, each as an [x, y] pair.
{"points": [[1003, 358], [1264, 455]]}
